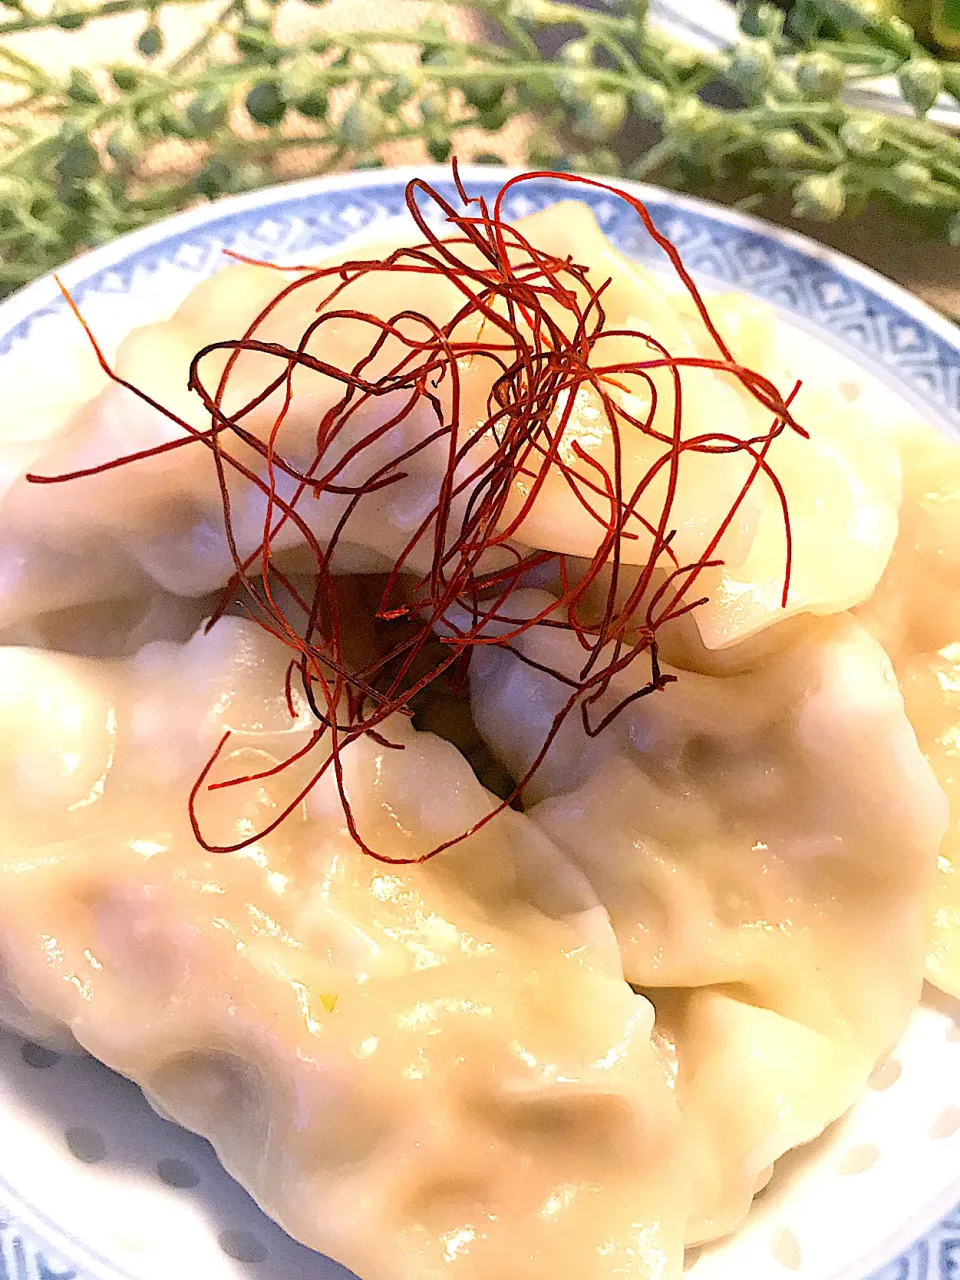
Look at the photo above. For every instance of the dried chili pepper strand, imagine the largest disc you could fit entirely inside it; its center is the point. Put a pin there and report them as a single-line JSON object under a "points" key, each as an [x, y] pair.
{"points": [[524, 298]]}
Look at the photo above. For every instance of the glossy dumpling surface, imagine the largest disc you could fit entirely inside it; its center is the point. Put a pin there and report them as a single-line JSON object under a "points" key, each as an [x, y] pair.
{"points": [[764, 843], [420, 1070], [915, 613], [842, 486], [57, 553]]}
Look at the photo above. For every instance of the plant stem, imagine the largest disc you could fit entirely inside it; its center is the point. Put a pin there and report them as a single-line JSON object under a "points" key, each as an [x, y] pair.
{"points": [[108, 9]]}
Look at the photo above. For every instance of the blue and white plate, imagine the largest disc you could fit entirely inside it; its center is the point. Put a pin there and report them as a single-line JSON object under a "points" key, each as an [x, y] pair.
{"points": [[94, 1185]]}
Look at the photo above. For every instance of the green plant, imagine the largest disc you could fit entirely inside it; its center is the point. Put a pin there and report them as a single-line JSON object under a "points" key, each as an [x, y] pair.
{"points": [[78, 168]]}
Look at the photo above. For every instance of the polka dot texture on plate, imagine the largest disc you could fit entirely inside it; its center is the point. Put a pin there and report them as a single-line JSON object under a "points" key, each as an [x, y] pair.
{"points": [[133, 1186], [139, 1187], [853, 1176]]}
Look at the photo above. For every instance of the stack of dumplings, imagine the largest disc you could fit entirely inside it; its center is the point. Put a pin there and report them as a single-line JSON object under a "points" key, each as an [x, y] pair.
{"points": [[574, 1043]]}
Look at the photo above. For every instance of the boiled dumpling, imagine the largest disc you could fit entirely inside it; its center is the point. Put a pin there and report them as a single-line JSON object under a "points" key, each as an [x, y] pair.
{"points": [[764, 843], [635, 301], [915, 613], [54, 554], [439, 1069], [842, 486], [425, 1071]]}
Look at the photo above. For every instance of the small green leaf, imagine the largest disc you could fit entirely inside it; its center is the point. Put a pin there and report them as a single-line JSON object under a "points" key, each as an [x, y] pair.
{"points": [[576, 53], [150, 42], [248, 177], [393, 97], [254, 44], [123, 146], [862, 137], [362, 124], [72, 193], [208, 112], [214, 178], [432, 108], [764, 20], [173, 123], [494, 119], [911, 181], [651, 101], [573, 86], [921, 82], [78, 162], [541, 157], [396, 95], [439, 57], [601, 117], [14, 194], [819, 76], [68, 17], [266, 104], [432, 32], [682, 61], [805, 21], [127, 79], [751, 65], [604, 162], [314, 105], [821, 196], [80, 87], [785, 147], [484, 93], [300, 77], [536, 88]]}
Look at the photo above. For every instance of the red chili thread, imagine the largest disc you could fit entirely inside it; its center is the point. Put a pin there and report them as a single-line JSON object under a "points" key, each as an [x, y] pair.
{"points": [[539, 366]]}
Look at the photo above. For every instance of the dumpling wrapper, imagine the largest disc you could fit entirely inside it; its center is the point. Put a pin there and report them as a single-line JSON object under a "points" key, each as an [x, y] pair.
{"points": [[58, 547], [426, 1071], [764, 844], [915, 613], [843, 488]]}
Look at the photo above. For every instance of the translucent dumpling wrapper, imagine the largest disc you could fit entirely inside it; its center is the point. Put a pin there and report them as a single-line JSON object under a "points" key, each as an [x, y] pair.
{"points": [[58, 547], [915, 613], [424, 1071], [764, 843], [439, 1070], [842, 487]]}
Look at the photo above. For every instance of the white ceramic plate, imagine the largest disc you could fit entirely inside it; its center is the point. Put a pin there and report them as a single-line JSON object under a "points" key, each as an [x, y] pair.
{"points": [[712, 24], [94, 1186]]}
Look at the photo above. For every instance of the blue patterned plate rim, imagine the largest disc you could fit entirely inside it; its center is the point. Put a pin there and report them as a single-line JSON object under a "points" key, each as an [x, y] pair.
{"points": [[875, 321]]}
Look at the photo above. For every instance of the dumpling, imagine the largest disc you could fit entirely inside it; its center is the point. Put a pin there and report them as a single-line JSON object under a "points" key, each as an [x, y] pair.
{"points": [[635, 302], [425, 1071], [439, 1069], [843, 491], [764, 843], [54, 554], [843, 488], [915, 613]]}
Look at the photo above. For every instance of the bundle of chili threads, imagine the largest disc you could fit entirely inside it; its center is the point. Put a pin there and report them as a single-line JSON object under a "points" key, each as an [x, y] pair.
{"points": [[538, 320]]}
